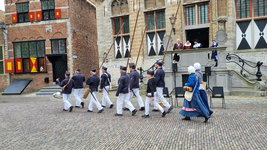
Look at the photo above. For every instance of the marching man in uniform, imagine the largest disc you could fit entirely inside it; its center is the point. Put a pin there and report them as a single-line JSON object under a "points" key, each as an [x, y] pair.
{"points": [[93, 82], [151, 94], [104, 86], [123, 92], [78, 79], [134, 88], [160, 84], [67, 85]]}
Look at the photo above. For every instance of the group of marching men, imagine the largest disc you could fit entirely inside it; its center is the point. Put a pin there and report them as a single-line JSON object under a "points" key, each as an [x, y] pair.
{"points": [[128, 86]]}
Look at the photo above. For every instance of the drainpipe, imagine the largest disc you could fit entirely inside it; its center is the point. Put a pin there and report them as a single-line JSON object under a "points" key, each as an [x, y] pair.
{"points": [[5, 31]]}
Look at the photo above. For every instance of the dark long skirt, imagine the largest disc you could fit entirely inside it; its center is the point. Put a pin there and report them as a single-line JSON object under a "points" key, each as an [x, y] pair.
{"points": [[194, 108], [204, 97]]}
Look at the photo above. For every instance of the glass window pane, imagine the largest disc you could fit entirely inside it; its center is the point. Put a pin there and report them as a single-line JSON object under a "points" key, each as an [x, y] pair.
{"points": [[41, 64], [62, 47], [117, 25], [150, 21], [190, 15], [44, 5], [19, 8], [33, 52], [1, 53], [1, 67], [161, 20], [25, 50], [26, 17], [46, 15], [41, 48], [21, 17], [25, 7], [126, 25], [55, 46], [26, 65], [52, 14], [51, 4], [17, 50]]}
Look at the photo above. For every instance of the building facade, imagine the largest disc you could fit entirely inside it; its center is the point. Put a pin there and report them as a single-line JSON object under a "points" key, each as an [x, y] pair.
{"points": [[49, 37], [238, 25]]}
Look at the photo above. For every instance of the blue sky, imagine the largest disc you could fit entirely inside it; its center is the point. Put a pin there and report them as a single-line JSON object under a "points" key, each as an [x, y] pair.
{"points": [[2, 5]]}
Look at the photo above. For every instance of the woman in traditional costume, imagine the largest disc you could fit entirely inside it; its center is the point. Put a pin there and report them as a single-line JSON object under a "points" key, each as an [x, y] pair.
{"points": [[195, 107], [202, 89]]}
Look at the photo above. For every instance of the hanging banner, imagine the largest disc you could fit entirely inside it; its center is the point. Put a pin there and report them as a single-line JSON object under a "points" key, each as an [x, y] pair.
{"points": [[33, 64], [18, 62], [9, 65]]}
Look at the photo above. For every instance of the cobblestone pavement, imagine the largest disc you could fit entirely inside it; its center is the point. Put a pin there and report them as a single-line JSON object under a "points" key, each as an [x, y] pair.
{"points": [[38, 122]]}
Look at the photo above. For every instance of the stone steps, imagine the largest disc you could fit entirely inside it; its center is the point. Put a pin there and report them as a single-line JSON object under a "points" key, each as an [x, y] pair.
{"points": [[49, 90]]}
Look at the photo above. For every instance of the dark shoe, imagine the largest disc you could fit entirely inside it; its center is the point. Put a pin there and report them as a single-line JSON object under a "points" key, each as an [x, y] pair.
{"points": [[103, 106], [145, 116], [71, 107], [125, 109], [100, 111], [111, 106], [164, 114], [186, 118], [89, 111], [65, 110], [142, 108], [118, 114], [134, 112], [170, 109], [155, 110], [211, 112], [82, 103], [77, 106], [206, 119]]}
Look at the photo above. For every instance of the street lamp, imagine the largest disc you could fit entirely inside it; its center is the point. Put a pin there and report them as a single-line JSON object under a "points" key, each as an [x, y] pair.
{"points": [[172, 19]]}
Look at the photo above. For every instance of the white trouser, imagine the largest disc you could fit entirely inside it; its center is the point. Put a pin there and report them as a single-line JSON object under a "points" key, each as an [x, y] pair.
{"points": [[161, 98], [105, 96], [94, 101], [138, 97], [66, 101], [156, 105], [78, 94], [124, 98]]}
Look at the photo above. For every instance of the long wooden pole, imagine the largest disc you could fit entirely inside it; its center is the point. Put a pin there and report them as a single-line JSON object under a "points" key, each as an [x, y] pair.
{"points": [[171, 31], [110, 48], [141, 44], [132, 39]]}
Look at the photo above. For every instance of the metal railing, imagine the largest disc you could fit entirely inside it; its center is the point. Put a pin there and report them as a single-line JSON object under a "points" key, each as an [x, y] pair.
{"points": [[233, 58]]}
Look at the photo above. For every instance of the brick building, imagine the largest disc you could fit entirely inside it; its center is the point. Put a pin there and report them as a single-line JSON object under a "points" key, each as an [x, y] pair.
{"points": [[238, 25], [48, 37]]}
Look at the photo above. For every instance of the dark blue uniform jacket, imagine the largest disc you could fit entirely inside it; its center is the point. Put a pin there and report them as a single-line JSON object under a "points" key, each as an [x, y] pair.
{"points": [[151, 86], [159, 76], [93, 82], [123, 85], [78, 80], [69, 87], [134, 80], [105, 79]]}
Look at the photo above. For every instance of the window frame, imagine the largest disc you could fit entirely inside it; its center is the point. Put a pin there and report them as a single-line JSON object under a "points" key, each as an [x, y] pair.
{"points": [[123, 25], [24, 13], [3, 60], [254, 9], [65, 39], [186, 15], [207, 13], [148, 13], [250, 11], [157, 27], [38, 69], [48, 11]]}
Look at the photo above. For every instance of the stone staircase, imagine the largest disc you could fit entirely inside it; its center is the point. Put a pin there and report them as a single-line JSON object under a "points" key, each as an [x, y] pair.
{"points": [[49, 90]]}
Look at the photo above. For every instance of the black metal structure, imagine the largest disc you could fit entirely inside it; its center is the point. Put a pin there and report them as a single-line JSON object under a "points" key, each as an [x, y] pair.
{"points": [[16, 87], [233, 58]]}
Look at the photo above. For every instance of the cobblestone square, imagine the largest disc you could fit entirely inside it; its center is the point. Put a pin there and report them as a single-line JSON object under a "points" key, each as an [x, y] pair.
{"points": [[38, 122]]}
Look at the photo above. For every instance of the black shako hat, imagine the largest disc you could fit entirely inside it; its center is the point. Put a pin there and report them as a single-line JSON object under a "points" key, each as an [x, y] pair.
{"points": [[104, 68], [150, 72], [123, 68]]}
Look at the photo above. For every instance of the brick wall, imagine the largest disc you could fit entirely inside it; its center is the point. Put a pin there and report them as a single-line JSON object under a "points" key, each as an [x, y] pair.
{"points": [[84, 41]]}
